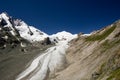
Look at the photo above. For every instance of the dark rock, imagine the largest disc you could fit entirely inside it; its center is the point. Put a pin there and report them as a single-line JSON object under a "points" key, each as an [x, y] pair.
{"points": [[55, 41], [95, 75], [3, 22], [2, 42], [46, 41], [117, 35]]}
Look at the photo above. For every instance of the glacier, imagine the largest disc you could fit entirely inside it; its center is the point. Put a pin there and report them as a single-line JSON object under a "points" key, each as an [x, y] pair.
{"points": [[52, 60]]}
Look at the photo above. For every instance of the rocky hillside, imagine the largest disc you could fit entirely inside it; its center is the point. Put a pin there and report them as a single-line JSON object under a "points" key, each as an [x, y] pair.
{"points": [[94, 57]]}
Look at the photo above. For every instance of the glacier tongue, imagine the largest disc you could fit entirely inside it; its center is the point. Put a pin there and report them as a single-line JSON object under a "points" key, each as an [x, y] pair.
{"points": [[47, 63]]}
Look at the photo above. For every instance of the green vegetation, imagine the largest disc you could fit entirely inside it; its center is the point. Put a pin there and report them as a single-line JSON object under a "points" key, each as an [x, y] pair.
{"points": [[107, 44], [117, 42], [102, 71], [115, 75], [101, 36], [102, 67]]}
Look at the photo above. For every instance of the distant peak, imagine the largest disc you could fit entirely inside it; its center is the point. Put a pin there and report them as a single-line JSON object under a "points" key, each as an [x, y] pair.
{"points": [[4, 14]]}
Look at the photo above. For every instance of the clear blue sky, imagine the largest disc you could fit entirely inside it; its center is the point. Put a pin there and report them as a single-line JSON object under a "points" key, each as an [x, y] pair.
{"points": [[74, 16]]}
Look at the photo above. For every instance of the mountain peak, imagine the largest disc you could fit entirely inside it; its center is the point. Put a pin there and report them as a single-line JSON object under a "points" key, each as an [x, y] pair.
{"points": [[27, 32], [63, 36]]}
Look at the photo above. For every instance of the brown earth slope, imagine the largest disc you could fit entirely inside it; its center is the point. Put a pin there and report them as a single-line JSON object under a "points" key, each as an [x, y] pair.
{"points": [[94, 57]]}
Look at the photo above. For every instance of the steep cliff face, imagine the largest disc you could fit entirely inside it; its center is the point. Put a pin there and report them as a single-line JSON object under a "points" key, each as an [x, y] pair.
{"points": [[94, 57]]}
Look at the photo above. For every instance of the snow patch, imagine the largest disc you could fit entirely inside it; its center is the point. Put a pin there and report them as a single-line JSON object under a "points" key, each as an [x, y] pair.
{"points": [[86, 34]]}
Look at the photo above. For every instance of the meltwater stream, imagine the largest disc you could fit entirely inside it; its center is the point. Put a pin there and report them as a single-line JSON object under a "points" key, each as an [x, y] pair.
{"points": [[50, 61]]}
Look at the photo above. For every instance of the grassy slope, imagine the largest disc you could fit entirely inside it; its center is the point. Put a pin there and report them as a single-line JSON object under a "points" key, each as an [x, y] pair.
{"points": [[101, 36]]}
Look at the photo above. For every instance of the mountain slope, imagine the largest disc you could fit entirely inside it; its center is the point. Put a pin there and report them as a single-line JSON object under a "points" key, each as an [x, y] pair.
{"points": [[17, 26], [94, 57], [29, 32]]}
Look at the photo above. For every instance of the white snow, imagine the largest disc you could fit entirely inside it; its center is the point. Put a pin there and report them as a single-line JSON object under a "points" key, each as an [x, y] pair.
{"points": [[86, 34], [24, 31], [6, 18], [61, 36]]}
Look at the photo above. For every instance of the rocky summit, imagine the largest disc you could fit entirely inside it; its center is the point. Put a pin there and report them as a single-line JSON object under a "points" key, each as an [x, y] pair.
{"points": [[27, 53]]}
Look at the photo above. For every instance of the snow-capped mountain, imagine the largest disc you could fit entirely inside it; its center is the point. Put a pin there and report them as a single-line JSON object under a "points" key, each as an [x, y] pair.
{"points": [[62, 36], [25, 31], [30, 33], [7, 22]]}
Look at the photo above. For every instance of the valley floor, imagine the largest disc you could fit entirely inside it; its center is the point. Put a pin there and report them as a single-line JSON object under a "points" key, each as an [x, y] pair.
{"points": [[13, 62]]}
